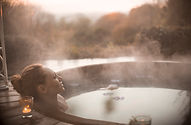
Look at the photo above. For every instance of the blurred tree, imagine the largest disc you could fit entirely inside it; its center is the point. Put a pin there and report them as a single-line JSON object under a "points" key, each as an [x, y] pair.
{"points": [[22, 51], [22, 44], [179, 12], [124, 34], [143, 17], [172, 41], [44, 28], [110, 20], [104, 26], [18, 19], [82, 31]]}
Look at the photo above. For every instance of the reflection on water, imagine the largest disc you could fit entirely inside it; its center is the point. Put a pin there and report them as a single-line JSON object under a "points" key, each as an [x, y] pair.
{"points": [[165, 106]]}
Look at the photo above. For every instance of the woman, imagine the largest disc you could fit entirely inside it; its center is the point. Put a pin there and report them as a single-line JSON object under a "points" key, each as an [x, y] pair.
{"points": [[44, 85]]}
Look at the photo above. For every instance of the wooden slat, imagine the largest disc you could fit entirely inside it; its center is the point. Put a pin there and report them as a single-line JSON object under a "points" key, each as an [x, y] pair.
{"points": [[9, 99], [15, 117], [8, 106], [62, 123], [12, 112], [16, 120], [47, 121], [12, 115], [8, 93]]}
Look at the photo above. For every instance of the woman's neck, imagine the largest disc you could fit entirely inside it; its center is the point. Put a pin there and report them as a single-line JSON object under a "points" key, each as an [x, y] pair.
{"points": [[47, 102]]}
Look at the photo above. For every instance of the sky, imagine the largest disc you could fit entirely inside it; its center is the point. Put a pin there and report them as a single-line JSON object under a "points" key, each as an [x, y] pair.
{"points": [[61, 7]]}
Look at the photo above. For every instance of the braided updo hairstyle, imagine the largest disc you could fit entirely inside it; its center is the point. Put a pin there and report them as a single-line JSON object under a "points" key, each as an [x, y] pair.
{"points": [[26, 83]]}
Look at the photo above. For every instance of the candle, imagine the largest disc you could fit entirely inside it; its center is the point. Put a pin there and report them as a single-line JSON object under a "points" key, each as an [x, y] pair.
{"points": [[26, 109], [141, 120], [27, 103]]}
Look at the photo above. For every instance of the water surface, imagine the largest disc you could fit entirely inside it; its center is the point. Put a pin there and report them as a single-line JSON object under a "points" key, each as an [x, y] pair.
{"points": [[165, 106]]}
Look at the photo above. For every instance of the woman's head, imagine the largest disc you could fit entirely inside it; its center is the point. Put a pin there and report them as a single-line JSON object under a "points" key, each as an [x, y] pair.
{"points": [[37, 80]]}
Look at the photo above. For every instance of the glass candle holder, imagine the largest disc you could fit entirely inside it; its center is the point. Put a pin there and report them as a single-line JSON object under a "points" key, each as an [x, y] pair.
{"points": [[27, 106], [142, 120]]}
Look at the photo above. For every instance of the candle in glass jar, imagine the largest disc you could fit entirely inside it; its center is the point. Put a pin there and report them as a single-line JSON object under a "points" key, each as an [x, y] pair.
{"points": [[142, 120], [26, 109], [27, 106]]}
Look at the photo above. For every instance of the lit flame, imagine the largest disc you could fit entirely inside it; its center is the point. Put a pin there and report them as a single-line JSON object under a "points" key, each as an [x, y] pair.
{"points": [[26, 109]]}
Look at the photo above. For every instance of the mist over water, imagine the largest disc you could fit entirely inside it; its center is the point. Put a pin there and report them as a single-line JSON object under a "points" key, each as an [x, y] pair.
{"points": [[148, 46], [59, 65]]}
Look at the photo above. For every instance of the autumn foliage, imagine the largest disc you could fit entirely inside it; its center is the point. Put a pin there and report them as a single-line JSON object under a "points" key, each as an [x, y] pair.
{"points": [[33, 35]]}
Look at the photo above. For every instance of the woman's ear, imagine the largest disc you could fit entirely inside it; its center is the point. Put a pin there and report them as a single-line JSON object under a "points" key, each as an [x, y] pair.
{"points": [[42, 89]]}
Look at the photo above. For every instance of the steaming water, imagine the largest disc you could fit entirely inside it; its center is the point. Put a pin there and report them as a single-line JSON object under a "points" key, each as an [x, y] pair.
{"points": [[165, 106], [59, 65]]}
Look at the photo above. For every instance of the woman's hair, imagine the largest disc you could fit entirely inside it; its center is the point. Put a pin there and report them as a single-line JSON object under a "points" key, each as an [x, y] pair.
{"points": [[26, 83]]}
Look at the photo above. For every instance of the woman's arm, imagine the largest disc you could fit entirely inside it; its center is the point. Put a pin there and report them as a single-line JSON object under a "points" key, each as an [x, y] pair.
{"points": [[56, 112], [59, 115]]}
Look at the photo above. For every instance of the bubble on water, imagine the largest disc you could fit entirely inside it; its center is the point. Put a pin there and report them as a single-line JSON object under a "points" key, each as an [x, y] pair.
{"points": [[108, 94], [117, 98]]}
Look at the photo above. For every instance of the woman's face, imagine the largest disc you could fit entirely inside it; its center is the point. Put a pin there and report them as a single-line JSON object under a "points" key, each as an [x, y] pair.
{"points": [[53, 82]]}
